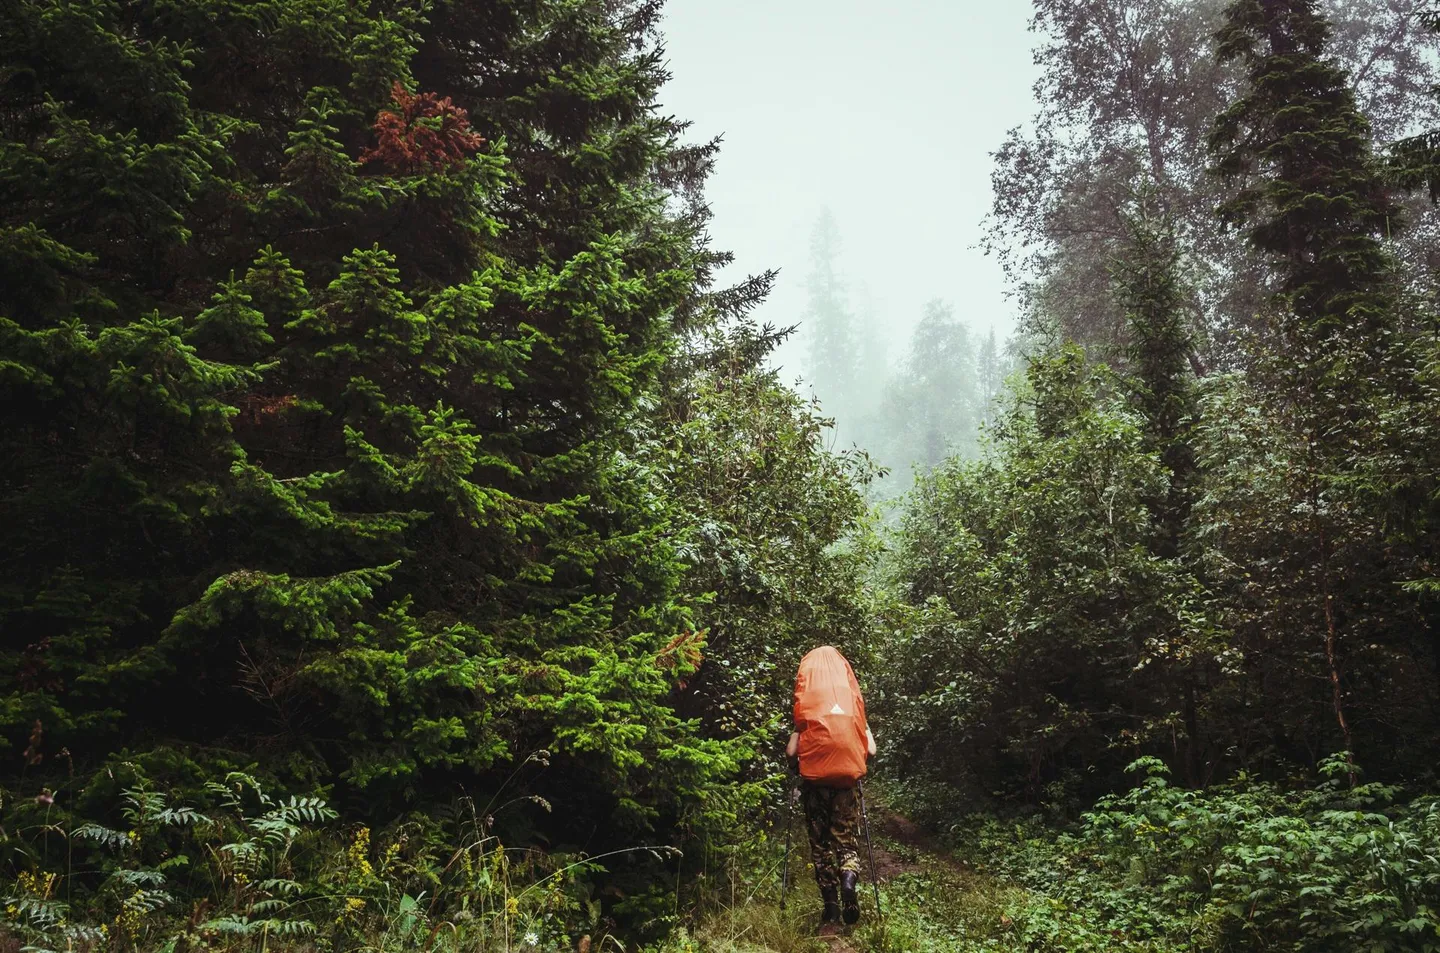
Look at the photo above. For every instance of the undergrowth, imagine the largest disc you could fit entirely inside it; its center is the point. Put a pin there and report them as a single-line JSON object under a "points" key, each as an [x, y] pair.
{"points": [[1238, 868], [238, 868], [1246, 866]]}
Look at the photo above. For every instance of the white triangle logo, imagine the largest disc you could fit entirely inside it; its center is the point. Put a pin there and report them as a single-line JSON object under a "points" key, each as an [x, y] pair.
{"points": [[837, 710]]}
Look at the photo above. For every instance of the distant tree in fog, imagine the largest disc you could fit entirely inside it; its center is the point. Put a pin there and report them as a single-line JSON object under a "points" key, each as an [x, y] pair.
{"points": [[872, 347], [989, 376], [931, 407], [829, 325]]}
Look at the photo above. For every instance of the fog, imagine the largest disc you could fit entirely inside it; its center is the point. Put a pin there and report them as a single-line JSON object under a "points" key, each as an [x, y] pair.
{"points": [[885, 121], [885, 116]]}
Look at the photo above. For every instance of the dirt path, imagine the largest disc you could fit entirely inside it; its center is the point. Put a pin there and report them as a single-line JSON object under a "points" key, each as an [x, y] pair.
{"points": [[838, 944], [899, 845]]}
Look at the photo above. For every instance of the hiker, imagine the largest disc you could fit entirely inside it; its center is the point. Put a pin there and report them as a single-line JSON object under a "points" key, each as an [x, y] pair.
{"points": [[829, 748]]}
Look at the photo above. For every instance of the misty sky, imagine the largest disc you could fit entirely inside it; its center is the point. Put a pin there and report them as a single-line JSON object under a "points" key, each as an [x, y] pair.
{"points": [[886, 113]]}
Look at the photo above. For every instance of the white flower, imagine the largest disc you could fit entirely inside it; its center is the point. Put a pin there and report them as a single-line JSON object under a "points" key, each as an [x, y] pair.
{"points": [[532, 939]]}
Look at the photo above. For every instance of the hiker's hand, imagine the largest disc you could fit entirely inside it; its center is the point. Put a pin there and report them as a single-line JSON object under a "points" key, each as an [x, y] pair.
{"points": [[794, 762]]}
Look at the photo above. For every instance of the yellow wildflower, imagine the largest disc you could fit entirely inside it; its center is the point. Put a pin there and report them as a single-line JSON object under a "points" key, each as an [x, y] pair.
{"points": [[130, 920], [36, 885], [359, 853]]}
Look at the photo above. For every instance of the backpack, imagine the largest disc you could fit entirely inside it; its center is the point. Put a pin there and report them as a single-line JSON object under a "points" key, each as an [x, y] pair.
{"points": [[830, 717]]}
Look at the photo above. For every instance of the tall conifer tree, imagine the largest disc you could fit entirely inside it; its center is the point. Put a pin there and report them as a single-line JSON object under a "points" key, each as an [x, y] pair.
{"points": [[1311, 198], [327, 332], [1309, 192]]}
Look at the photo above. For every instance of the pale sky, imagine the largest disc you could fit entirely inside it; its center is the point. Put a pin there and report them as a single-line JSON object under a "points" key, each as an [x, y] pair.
{"points": [[885, 113]]}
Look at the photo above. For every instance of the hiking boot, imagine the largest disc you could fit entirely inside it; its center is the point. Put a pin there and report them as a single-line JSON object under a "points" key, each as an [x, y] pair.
{"points": [[849, 894], [831, 913]]}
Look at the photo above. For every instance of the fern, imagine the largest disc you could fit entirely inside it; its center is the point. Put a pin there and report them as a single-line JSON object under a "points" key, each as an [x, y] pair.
{"points": [[306, 810], [140, 878], [280, 886], [275, 829], [245, 856], [148, 901], [142, 805], [102, 835], [234, 925], [181, 817], [290, 927], [267, 829], [37, 912]]}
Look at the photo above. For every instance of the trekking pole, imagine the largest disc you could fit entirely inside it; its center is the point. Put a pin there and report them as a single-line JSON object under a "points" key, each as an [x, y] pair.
{"points": [[870, 849], [789, 824]]}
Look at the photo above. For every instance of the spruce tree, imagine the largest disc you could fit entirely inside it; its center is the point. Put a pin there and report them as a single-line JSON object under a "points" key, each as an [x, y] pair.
{"points": [[328, 334], [1309, 193], [1308, 190], [988, 375]]}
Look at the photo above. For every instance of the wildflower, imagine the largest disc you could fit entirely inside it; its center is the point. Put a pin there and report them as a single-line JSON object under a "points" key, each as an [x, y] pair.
{"points": [[512, 904], [532, 938], [358, 853], [353, 905], [130, 920], [37, 885]]}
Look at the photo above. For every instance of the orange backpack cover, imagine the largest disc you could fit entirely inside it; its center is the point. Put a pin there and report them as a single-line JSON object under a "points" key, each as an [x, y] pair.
{"points": [[830, 717]]}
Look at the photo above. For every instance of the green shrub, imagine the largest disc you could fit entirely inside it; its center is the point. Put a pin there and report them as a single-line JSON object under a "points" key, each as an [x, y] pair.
{"points": [[1244, 866]]}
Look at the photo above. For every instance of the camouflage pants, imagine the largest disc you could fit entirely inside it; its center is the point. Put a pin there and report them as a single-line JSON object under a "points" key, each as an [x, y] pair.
{"points": [[833, 818]]}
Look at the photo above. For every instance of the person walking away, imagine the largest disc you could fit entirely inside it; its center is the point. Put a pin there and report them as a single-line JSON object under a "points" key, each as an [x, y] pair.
{"points": [[830, 747]]}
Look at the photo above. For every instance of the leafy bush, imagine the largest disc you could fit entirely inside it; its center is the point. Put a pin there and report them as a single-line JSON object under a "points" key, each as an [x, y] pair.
{"points": [[1044, 637], [1244, 866]]}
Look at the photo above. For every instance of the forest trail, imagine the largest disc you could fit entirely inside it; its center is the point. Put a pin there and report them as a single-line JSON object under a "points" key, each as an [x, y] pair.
{"points": [[898, 844], [929, 895]]}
